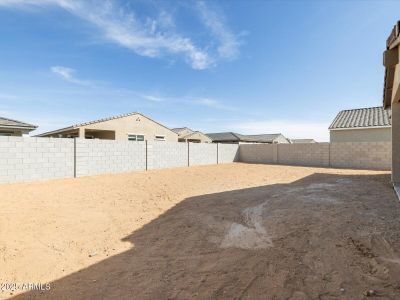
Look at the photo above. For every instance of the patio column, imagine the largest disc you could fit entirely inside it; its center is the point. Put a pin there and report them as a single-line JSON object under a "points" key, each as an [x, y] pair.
{"points": [[81, 133]]}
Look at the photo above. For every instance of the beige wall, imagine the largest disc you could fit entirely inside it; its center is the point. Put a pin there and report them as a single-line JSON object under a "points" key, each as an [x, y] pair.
{"points": [[185, 131], [396, 142], [198, 136], [134, 124], [281, 140], [361, 135], [359, 155], [16, 132]]}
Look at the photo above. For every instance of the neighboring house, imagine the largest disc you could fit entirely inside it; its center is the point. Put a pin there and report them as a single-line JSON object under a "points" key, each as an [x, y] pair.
{"points": [[302, 141], [132, 126], [187, 135], [391, 96], [361, 125], [236, 138], [9, 127]]}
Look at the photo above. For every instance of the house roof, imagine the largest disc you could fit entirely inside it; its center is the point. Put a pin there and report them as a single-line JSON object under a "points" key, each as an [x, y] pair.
{"points": [[100, 120], [193, 133], [390, 60], [10, 123], [361, 118], [237, 137], [302, 141], [178, 130]]}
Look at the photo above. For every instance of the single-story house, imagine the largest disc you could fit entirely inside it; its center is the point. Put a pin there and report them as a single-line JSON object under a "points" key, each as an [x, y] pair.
{"points": [[188, 135], [236, 138], [10, 127], [302, 141], [391, 96], [372, 124], [132, 126]]}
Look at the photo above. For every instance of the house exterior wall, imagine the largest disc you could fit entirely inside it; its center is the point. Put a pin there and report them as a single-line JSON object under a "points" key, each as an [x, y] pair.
{"points": [[184, 131], [13, 132], [361, 135], [396, 142], [10, 132], [134, 124], [202, 138]]}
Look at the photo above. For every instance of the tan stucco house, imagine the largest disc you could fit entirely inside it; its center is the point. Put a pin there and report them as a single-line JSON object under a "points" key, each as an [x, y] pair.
{"points": [[10, 127], [188, 135], [132, 126], [237, 138], [372, 124], [391, 96]]}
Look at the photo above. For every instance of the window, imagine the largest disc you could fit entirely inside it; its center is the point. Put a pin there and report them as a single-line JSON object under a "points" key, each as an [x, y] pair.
{"points": [[160, 138], [136, 137], [5, 134]]}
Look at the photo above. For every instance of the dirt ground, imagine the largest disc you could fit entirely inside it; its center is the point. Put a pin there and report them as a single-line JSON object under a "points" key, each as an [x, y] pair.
{"points": [[234, 231]]}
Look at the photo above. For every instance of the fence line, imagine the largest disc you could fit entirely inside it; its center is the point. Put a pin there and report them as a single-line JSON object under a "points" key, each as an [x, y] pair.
{"points": [[358, 155], [28, 159]]}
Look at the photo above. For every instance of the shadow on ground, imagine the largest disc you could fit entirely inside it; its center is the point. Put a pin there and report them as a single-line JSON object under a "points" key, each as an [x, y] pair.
{"points": [[322, 237]]}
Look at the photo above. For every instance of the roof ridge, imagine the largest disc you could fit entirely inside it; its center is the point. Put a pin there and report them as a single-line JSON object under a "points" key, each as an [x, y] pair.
{"points": [[105, 119], [380, 107], [13, 120]]}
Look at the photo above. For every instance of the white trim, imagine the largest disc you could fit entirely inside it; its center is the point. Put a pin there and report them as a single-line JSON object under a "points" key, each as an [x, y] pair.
{"points": [[368, 127]]}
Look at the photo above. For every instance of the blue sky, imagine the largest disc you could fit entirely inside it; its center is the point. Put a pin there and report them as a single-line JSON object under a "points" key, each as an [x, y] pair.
{"points": [[243, 66]]}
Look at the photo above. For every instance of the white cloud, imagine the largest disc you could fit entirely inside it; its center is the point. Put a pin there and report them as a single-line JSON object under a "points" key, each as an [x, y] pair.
{"points": [[212, 103], [290, 129], [228, 42], [68, 75], [154, 37], [152, 98]]}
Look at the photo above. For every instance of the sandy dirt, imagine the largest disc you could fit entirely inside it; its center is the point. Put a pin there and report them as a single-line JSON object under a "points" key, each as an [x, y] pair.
{"points": [[234, 231]]}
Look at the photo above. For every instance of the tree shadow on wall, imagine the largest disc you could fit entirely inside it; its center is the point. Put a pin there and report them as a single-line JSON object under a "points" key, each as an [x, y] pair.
{"points": [[272, 242]]}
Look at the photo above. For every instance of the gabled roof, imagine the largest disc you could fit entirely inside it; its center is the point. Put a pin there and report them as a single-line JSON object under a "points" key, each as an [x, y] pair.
{"points": [[100, 120], [223, 136], [237, 137], [10, 123], [178, 130], [193, 133], [268, 138], [361, 118]]}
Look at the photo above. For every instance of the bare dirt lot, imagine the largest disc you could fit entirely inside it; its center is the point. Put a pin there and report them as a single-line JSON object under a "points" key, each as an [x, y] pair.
{"points": [[234, 231]]}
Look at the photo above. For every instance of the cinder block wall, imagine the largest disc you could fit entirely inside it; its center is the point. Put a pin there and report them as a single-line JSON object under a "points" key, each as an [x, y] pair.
{"points": [[202, 154], [358, 155], [28, 159], [258, 153], [167, 155], [303, 154], [228, 153], [362, 155], [108, 156]]}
